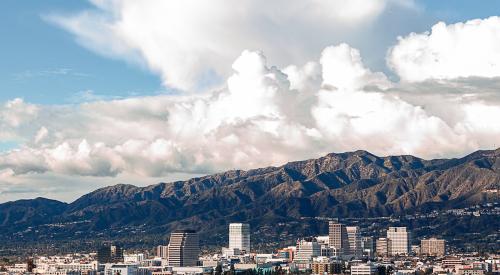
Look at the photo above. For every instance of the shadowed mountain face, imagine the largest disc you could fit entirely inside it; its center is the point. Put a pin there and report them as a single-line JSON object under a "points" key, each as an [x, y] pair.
{"points": [[356, 184], [34, 212]]}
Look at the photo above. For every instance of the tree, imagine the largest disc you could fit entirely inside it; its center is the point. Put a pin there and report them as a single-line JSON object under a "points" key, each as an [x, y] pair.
{"points": [[218, 270], [31, 265]]}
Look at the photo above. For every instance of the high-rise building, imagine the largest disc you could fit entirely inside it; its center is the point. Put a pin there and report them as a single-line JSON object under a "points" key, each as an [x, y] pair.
{"points": [[183, 248], [354, 239], [338, 238], [432, 247], [307, 249], [383, 247], [368, 246], [400, 241], [110, 254], [162, 251], [239, 236]]}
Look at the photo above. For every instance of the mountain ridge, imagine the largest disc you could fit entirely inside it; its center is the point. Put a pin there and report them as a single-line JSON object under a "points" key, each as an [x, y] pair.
{"points": [[350, 184]]}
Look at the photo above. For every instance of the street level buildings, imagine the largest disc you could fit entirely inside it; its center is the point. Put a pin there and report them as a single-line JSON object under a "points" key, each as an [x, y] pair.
{"points": [[363, 269]]}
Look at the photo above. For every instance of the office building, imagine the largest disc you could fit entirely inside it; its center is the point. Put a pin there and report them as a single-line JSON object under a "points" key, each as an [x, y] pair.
{"points": [[354, 239], [183, 248], [239, 237], [432, 247], [133, 258], [368, 247], [471, 271], [363, 269], [110, 254], [323, 265], [307, 249], [287, 253], [162, 251], [383, 246], [338, 238], [120, 269], [400, 241], [451, 262]]}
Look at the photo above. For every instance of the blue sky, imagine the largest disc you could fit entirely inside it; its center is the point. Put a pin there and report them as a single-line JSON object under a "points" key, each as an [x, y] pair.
{"points": [[94, 93], [42, 63]]}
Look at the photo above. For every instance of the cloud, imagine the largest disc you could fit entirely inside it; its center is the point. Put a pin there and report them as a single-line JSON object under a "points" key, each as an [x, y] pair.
{"points": [[449, 51], [14, 117], [263, 116], [191, 44], [57, 72]]}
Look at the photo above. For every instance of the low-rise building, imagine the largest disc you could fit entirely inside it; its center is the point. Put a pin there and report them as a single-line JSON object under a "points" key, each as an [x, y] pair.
{"points": [[324, 265], [363, 269]]}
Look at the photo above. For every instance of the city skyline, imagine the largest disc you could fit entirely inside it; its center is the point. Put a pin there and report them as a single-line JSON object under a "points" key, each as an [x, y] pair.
{"points": [[250, 137]]}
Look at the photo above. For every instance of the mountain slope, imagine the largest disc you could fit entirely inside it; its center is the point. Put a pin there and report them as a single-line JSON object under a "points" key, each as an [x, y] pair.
{"points": [[30, 212], [355, 184]]}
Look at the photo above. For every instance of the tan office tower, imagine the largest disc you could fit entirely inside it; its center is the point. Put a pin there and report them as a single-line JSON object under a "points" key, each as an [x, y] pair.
{"points": [[432, 247], [400, 241], [354, 238], [382, 247], [162, 251], [337, 238], [239, 236], [183, 248]]}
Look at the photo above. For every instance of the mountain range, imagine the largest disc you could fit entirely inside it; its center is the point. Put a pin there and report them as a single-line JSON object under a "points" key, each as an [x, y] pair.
{"points": [[344, 185]]}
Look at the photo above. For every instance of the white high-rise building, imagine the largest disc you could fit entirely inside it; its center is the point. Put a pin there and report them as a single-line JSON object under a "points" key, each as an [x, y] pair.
{"points": [[400, 241], [354, 238], [239, 236]]}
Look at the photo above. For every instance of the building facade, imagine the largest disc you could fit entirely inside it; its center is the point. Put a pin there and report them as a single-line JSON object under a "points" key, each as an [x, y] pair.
{"points": [[432, 247], [368, 246], [323, 265], [239, 236], [354, 239], [307, 249], [162, 251], [183, 248], [338, 238], [400, 241], [120, 269], [363, 269], [110, 254], [382, 247]]}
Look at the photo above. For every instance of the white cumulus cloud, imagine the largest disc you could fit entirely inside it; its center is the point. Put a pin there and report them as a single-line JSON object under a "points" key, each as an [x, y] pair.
{"points": [[191, 43], [263, 116], [449, 51]]}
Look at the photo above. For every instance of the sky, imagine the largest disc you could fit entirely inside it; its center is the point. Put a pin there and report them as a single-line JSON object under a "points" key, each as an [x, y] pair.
{"points": [[100, 92]]}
